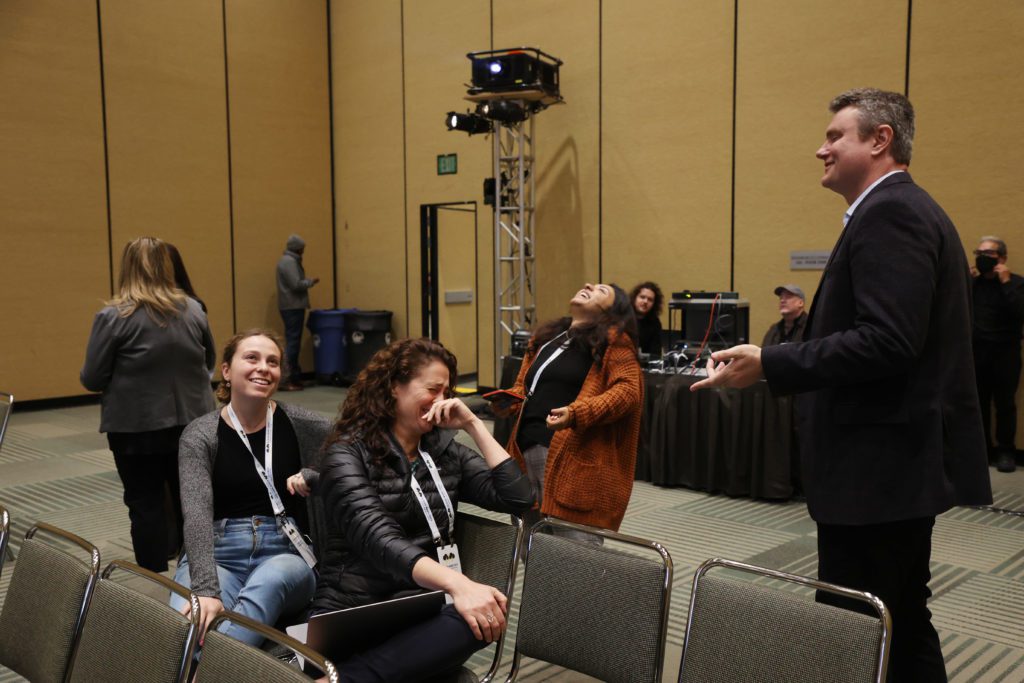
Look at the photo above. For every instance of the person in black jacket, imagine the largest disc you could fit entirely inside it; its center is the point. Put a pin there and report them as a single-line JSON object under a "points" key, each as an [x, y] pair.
{"points": [[890, 427], [647, 301], [998, 318], [392, 445]]}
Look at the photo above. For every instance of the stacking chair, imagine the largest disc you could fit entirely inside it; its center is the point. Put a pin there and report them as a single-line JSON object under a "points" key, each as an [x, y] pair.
{"points": [[5, 535], [594, 608], [129, 636], [46, 602], [6, 402], [227, 659], [489, 551], [739, 630]]}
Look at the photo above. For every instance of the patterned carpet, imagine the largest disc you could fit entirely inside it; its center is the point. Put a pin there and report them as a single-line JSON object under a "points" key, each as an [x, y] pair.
{"points": [[55, 467]]}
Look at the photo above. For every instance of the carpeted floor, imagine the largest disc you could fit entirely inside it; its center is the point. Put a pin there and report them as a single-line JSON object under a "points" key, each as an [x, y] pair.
{"points": [[55, 467]]}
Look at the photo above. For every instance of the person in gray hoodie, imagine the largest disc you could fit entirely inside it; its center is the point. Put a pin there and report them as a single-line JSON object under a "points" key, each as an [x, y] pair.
{"points": [[293, 300]]}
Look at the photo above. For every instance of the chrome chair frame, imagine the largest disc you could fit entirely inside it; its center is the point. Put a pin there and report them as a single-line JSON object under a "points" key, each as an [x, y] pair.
{"points": [[550, 522], [191, 637], [509, 588], [7, 400], [884, 616], [5, 535], [325, 665]]}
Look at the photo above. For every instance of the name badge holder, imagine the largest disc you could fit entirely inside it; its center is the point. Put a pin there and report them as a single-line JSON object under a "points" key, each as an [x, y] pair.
{"points": [[267, 475], [447, 554], [557, 352]]}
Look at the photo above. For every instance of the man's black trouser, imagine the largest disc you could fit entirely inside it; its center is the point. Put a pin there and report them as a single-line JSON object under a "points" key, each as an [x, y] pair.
{"points": [[997, 368]]}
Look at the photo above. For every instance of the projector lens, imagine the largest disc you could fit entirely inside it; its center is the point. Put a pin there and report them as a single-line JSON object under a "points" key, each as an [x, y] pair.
{"points": [[495, 67]]}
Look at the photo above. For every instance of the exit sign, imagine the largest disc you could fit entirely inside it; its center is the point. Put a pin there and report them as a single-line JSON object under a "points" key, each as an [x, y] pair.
{"points": [[447, 164]]}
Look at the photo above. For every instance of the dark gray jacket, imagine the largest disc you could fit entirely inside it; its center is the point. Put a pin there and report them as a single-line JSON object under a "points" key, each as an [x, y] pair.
{"points": [[152, 377], [197, 451], [376, 529], [292, 284]]}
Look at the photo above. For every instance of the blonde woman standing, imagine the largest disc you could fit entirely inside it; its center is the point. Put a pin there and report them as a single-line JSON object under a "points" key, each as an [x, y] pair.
{"points": [[150, 353]]}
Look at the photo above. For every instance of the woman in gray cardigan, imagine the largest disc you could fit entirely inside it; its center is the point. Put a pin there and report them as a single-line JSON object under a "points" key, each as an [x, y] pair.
{"points": [[244, 470], [150, 353]]}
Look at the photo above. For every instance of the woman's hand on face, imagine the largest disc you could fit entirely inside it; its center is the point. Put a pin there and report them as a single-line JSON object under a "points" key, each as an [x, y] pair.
{"points": [[559, 418], [208, 609], [483, 608], [450, 413], [297, 485]]}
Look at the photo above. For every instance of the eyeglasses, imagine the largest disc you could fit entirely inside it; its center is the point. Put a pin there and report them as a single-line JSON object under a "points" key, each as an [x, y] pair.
{"points": [[986, 252]]}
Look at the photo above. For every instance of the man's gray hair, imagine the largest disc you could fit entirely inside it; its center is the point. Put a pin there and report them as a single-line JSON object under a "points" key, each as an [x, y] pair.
{"points": [[881, 107], [1000, 244]]}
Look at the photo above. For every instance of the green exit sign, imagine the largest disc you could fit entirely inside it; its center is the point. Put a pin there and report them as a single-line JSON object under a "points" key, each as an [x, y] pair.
{"points": [[447, 164]]}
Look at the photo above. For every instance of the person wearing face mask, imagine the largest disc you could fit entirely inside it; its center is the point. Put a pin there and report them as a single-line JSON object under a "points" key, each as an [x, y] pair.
{"points": [[998, 318], [391, 480], [578, 430]]}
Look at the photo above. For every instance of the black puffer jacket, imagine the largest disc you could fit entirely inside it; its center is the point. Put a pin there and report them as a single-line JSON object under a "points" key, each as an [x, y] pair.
{"points": [[376, 529]]}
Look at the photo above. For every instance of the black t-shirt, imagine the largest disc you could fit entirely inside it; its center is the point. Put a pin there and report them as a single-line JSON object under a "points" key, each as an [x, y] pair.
{"points": [[238, 489], [649, 329], [559, 385]]}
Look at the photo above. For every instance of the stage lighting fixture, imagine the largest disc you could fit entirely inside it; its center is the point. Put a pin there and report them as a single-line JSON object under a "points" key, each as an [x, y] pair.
{"points": [[503, 111], [468, 123]]}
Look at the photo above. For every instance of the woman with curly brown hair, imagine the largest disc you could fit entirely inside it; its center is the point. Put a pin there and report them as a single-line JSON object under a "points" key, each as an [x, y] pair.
{"points": [[244, 547], [391, 480], [578, 430], [647, 301]]}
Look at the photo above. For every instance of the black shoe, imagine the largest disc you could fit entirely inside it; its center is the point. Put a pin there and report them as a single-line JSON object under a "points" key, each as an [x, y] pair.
{"points": [[1006, 462]]}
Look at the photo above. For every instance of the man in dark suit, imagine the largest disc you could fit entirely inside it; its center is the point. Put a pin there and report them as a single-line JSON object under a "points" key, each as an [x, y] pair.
{"points": [[889, 419]]}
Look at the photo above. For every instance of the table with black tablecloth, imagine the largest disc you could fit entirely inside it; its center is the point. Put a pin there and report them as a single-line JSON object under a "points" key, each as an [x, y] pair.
{"points": [[734, 441]]}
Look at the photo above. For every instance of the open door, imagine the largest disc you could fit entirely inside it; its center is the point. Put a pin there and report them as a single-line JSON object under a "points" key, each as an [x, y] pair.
{"points": [[450, 278]]}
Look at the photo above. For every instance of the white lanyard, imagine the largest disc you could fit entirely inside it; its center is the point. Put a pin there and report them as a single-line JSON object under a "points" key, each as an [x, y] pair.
{"points": [[556, 354], [435, 533], [267, 475]]}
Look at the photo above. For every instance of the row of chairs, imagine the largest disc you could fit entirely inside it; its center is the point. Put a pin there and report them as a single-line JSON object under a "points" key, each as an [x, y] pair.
{"points": [[601, 610]]}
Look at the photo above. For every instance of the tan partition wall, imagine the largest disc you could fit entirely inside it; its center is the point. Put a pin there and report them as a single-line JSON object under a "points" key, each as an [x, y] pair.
{"points": [[788, 69], [666, 140], [967, 87], [567, 169], [280, 151], [369, 162], [167, 138], [53, 214]]}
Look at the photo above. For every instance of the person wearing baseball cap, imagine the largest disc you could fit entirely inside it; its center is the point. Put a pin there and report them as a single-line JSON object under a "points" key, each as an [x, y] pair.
{"points": [[794, 318]]}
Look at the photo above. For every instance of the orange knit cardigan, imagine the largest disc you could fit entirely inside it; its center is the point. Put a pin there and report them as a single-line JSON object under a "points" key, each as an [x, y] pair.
{"points": [[589, 474]]}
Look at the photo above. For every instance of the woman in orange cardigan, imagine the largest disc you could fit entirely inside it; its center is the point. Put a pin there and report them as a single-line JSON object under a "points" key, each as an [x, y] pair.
{"points": [[577, 432]]}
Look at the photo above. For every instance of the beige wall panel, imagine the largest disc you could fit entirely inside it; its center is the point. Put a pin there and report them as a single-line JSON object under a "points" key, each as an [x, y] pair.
{"points": [[567, 143], [792, 59], [167, 138], [53, 205], [366, 44], [667, 144], [438, 34], [280, 151], [967, 87]]}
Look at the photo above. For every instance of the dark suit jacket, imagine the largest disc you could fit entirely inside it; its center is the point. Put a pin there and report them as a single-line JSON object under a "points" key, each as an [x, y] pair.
{"points": [[890, 424]]}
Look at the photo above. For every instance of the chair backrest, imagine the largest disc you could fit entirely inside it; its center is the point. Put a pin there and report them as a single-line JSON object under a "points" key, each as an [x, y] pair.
{"points": [[739, 630], [593, 608], [46, 603], [489, 552], [6, 402], [5, 535], [129, 636], [227, 659]]}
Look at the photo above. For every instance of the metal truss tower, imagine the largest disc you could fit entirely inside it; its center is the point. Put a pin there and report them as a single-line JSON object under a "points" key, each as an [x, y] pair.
{"points": [[515, 294]]}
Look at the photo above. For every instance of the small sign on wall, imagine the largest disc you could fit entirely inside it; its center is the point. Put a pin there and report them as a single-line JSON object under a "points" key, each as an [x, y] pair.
{"points": [[809, 260], [447, 164]]}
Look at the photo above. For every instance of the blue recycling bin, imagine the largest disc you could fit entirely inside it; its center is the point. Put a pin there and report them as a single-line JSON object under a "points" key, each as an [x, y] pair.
{"points": [[330, 356]]}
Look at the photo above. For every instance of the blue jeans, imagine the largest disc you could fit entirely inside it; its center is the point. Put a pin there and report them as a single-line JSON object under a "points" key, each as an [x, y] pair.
{"points": [[261, 575], [293, 319]]}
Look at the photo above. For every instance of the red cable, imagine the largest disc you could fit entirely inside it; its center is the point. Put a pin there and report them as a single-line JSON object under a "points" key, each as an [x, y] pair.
{"points": [[707, 332]]}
